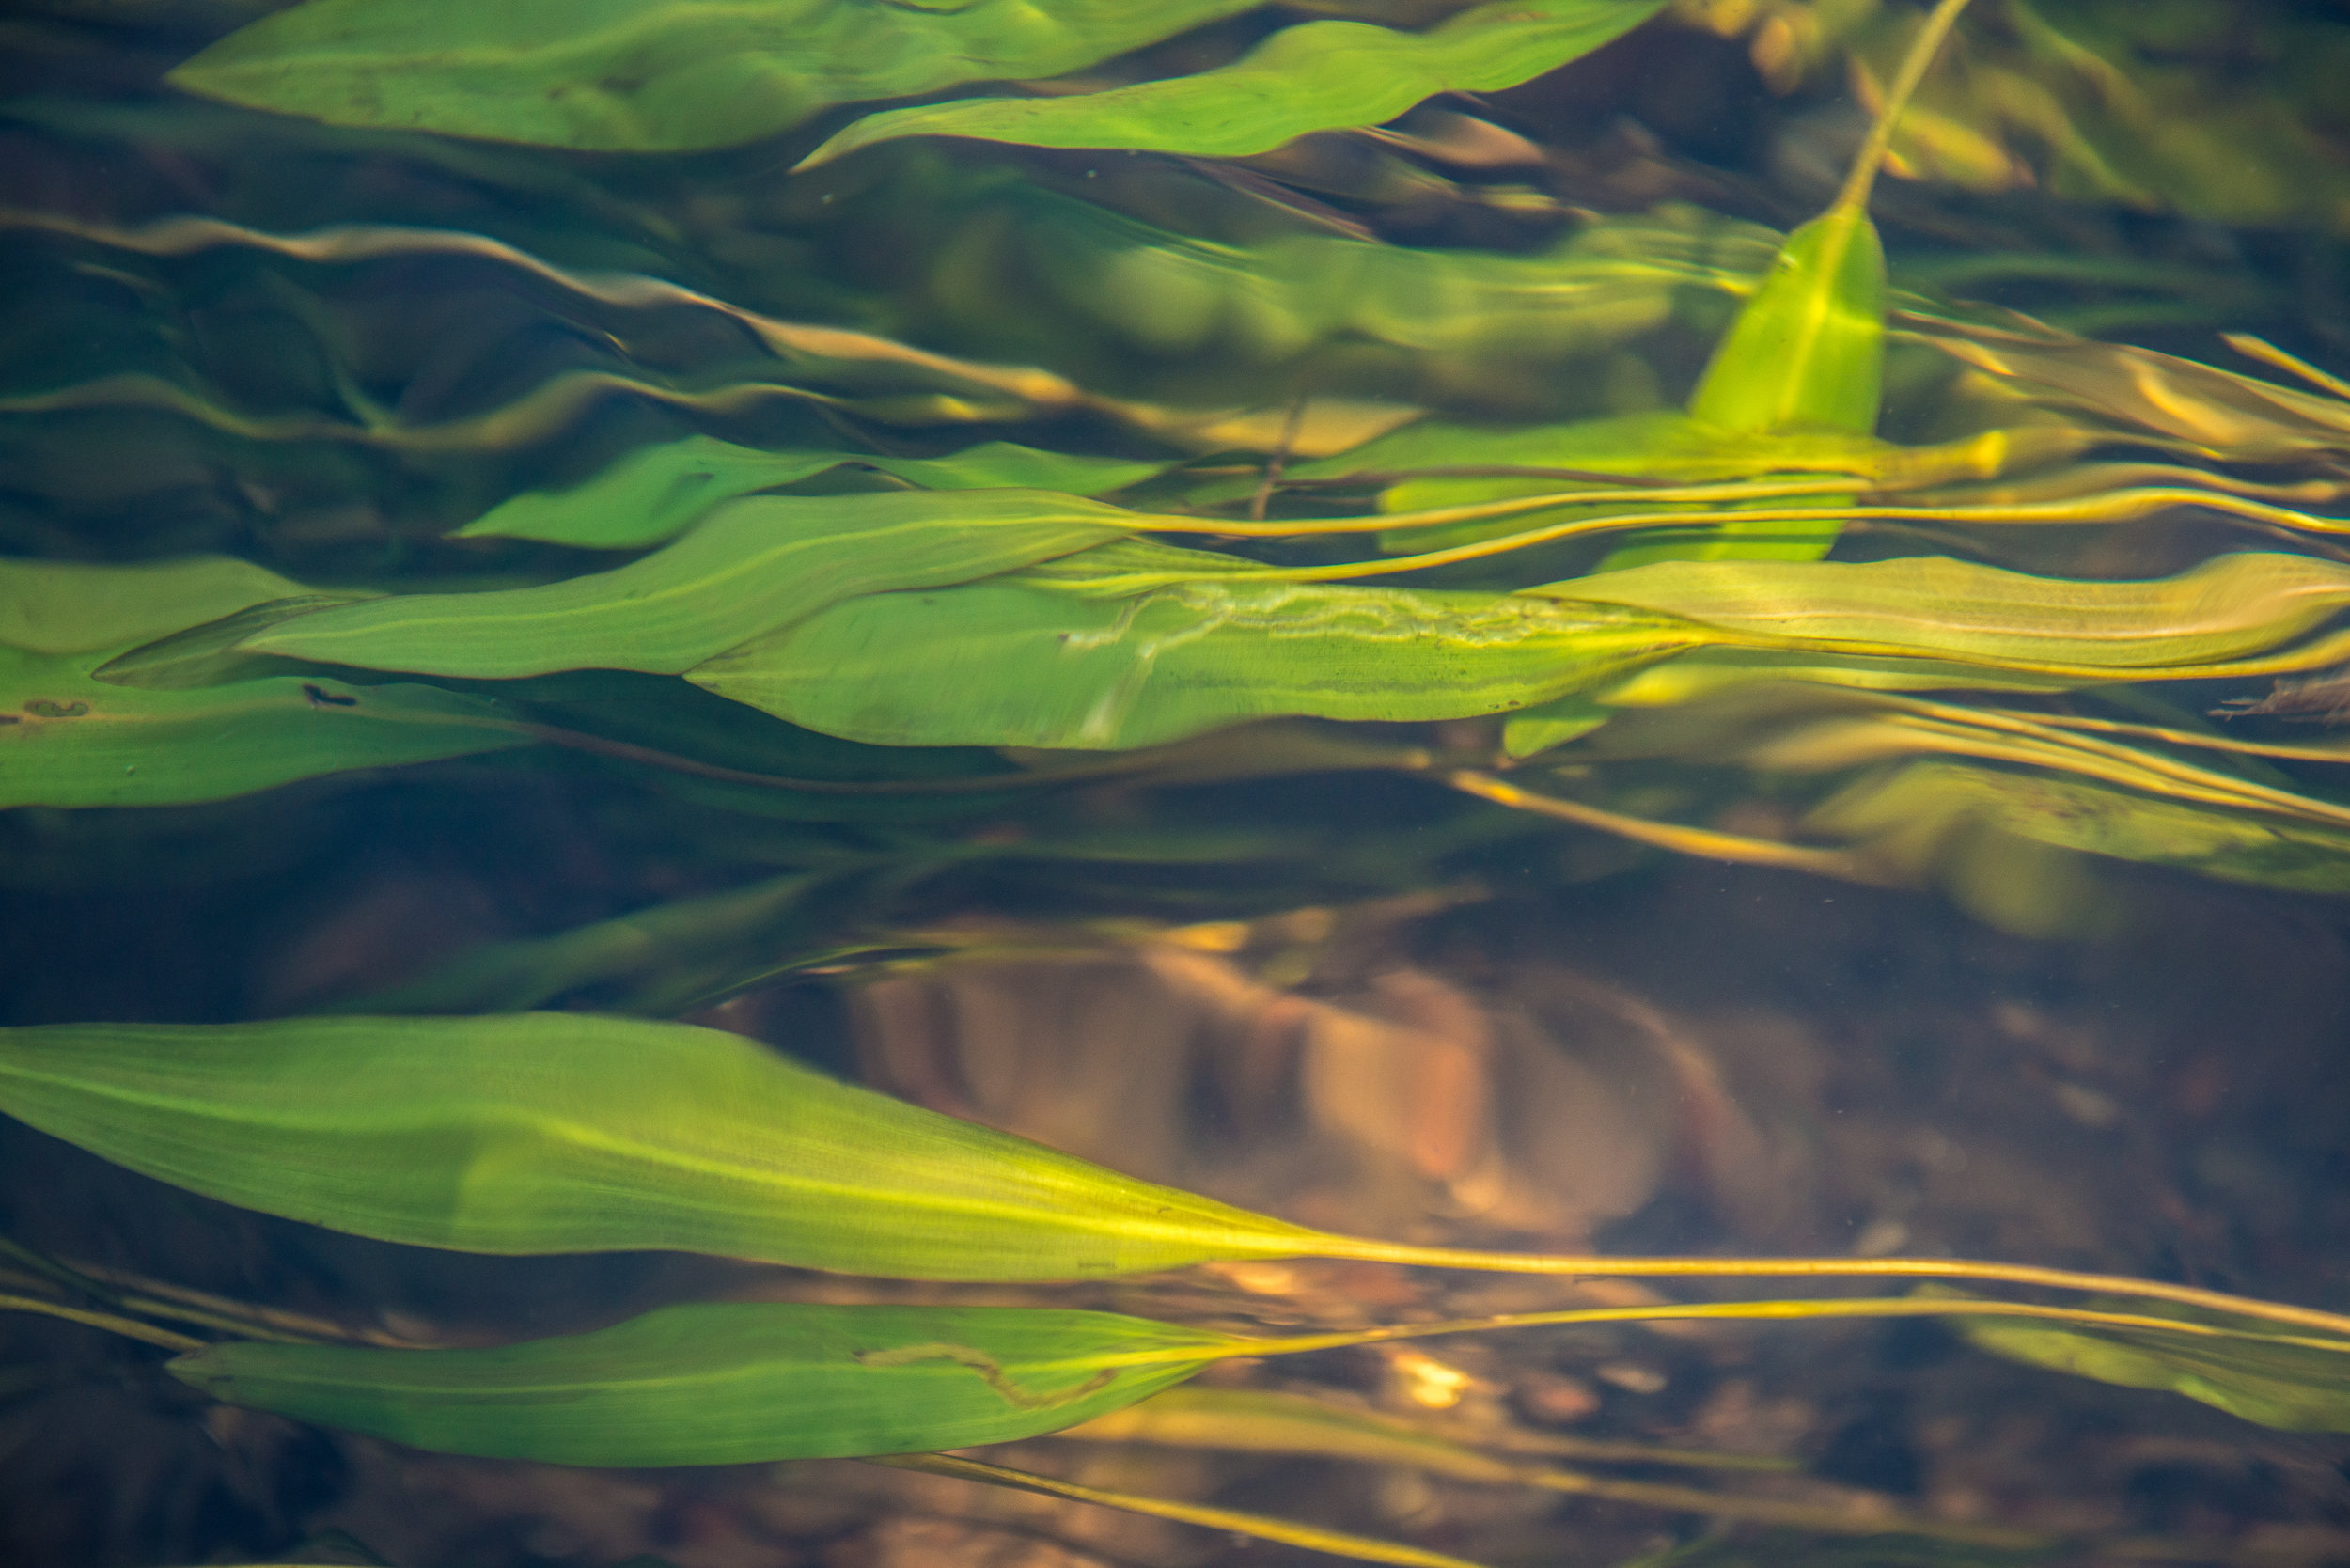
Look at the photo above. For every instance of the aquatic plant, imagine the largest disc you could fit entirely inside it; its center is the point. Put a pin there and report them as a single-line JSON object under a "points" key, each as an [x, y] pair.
{"points": [[792, 592]]}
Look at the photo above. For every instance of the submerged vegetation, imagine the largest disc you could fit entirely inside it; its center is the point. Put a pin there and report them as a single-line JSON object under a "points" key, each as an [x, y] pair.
{"points": [[1001, 485]]}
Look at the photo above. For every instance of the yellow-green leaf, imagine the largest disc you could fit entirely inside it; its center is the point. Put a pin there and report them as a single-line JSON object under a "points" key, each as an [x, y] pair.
{"points": [[1054, 658], [1314, 76], [758, 564], [571, 1133]]}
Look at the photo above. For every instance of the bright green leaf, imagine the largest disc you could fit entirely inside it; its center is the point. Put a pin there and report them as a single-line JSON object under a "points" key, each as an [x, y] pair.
{"points": [[66, 739], [1048, 659], [571, 1133], [1315, 76], [728, 1383]]}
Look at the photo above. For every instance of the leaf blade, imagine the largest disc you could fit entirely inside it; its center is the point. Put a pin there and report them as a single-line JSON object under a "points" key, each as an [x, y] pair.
{"points": [[510, 1133], [1315, 76], [724, 1383]]}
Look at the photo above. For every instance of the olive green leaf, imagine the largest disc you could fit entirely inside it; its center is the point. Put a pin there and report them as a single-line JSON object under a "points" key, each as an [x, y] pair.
{"points": [[515, 1132], [628, 76], [656, 492], [1315, 76], [761, 562], [2283, 1382], [1922, 813], [654, 963], [1048, 658], [76, 606], [69, 739], [726, 1383]]}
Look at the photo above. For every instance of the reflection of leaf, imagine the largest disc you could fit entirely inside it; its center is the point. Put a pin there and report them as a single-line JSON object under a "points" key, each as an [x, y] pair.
{"points": [[1036, 660], [1315, 76], [2299, 1387], [660, 960], [658, 492], [1267, 1422], [724, 1383], [626, 76]]}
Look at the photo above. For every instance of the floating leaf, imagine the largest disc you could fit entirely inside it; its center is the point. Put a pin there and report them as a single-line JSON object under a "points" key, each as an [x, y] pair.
{"points": [[1315, 76], [627, 76], [726, 1383], [2291, 1384], [1047, 659], [570, 1133], [656, 492], [759, 564]]}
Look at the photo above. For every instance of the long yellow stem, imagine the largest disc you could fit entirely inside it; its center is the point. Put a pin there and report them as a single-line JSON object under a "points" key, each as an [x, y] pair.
{"points": [[1928, 44]]}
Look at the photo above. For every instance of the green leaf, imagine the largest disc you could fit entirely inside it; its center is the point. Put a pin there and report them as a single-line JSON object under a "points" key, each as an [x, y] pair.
{"points": [[68, 739], [758, 564], [77, 607], [651, 75], [1054, 658], [1933, 606], [656, 492], [1808, 349], [1315, 76], [571, 1133], [2295, 1386], [728, 1383]]}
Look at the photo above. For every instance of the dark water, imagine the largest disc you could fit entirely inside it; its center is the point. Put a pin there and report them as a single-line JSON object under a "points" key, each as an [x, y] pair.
{"points": [[1331, 989]]}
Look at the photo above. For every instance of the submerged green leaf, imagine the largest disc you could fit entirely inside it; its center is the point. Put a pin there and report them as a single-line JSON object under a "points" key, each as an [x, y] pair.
{"points": [[629, 76], [1808, 348], [1924, 815], [726, 1383], [1315, 76], [656, 492], [570, 1133], [759, 564], [1051, 658], [2295, 1385]]}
